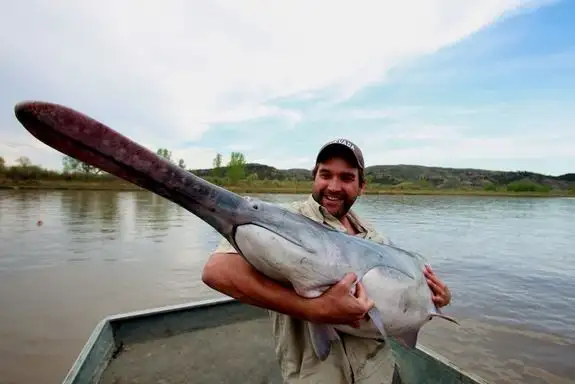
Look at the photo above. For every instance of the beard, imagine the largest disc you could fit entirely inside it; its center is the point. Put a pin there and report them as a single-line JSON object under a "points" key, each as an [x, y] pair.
{"points": [[344, 202]]}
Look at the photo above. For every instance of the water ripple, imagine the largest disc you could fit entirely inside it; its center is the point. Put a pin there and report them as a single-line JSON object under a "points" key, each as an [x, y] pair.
{"points": [[508, 260]]}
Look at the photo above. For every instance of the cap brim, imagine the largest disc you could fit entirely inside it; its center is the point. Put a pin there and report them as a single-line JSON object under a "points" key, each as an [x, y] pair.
{"points": [[338, 147]]}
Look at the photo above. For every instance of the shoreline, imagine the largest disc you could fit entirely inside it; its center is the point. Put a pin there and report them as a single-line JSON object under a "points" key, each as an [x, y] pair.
{"points": [[125, 186]]}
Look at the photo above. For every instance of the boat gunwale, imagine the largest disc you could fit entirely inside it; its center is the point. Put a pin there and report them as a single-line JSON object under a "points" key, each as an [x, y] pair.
{"points": [[108, 324], [108, 321], [87, 349]]}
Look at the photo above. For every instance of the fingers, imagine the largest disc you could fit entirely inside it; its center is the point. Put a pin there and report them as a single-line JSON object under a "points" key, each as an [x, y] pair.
{"points": [[428, 272], [441, 294], [360, 291], [348, 281], [363, 298], [446, 296], [435, 285]]}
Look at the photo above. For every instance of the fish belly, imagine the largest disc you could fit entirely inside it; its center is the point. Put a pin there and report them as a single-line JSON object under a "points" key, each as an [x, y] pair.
{"points": [[398, 299], [284, 261]]}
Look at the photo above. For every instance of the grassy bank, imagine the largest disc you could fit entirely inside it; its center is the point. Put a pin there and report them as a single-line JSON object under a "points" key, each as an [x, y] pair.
{"points": [[276, 187], [259, 178]]}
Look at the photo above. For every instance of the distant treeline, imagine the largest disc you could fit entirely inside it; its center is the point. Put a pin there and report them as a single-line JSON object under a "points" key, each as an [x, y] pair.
{"points": [[237, 172]]}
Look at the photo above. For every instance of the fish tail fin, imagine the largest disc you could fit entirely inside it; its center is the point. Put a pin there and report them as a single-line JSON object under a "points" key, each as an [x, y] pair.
{"points": [[321, 336]]}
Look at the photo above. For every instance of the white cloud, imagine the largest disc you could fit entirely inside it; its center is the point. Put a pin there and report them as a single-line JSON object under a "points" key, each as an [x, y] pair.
{"points": [[195, 157], [13, 146], [283, 162], [412, 132], [235, 147], [163, 73], [219, 61], [450, 149]]}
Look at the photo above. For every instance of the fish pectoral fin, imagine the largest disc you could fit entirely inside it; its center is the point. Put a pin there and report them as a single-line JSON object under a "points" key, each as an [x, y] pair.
{"points": [[446, 317], [321, 336], [408, 339], [375, 317]]}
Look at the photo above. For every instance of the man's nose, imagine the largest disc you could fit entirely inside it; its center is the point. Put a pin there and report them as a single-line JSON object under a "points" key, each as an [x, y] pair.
{"points": [[334, 184]]}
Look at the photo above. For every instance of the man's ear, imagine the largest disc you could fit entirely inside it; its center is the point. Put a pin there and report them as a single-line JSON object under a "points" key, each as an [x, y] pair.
{"points": [[362, 187]]}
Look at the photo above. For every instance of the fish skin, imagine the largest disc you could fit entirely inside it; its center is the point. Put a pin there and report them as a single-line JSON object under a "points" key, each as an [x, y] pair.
{"points": [[393, 278], [282, 244]]}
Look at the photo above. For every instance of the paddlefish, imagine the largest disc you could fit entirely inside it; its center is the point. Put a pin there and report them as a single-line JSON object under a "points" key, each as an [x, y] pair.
{"points": [[283, 245]]}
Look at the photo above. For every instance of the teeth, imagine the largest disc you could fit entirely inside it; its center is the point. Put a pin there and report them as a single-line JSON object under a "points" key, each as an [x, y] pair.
{"points": [[332, 198]]}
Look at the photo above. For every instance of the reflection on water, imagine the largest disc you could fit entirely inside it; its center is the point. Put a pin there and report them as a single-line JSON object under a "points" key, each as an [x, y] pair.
{"points": [[509, 262]]}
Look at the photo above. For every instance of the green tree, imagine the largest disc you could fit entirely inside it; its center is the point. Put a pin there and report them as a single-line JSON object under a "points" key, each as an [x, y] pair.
{"points": [[165, 153], [252, 178], [72, 165], [218, 161], [217, 166], [236, 167], [2, 164], [23, 161]]}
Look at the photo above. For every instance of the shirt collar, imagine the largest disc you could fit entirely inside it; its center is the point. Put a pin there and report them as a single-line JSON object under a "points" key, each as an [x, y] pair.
{"points": [[329, 219]]}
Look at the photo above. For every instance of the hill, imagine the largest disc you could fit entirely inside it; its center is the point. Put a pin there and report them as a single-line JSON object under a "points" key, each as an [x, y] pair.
{"points": [[404, 174]]}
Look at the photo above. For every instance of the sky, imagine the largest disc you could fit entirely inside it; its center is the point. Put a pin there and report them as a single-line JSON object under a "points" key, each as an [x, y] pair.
{"points": [[483, 84]]}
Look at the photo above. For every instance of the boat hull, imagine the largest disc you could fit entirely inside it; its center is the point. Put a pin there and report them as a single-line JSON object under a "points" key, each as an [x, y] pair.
{"points": [[221, 340]]}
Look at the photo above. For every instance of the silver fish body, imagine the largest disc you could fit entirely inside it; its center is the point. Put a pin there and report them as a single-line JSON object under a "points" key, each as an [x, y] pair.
{"points": [[310, 256]]}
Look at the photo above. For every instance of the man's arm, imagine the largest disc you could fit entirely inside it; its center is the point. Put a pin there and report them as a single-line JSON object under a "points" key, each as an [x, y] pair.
{"points": [[231, 274]]}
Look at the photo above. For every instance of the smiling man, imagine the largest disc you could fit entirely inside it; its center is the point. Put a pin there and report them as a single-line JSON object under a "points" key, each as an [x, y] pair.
{"points": [[339, 180]]}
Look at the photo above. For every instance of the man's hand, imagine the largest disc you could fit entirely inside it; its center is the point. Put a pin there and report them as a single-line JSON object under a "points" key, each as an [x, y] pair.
{"points": [[441, 294], [338, 306]]}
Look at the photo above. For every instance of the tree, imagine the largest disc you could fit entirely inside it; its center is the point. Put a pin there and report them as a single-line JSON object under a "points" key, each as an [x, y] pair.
{"points": [[23, 161], [236, 167], [252, 177], [163, 152], [217, 163], [72, 165], [2, 164]]}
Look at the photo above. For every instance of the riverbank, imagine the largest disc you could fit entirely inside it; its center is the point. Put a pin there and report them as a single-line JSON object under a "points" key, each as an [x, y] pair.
{"points": [[278, 188]]}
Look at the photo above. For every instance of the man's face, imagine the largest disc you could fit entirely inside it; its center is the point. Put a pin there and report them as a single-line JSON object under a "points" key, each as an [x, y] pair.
{"points": [[336, 186]]}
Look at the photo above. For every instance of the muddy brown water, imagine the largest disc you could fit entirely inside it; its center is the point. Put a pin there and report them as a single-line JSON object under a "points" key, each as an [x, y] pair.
{"points": [[510, 263]]}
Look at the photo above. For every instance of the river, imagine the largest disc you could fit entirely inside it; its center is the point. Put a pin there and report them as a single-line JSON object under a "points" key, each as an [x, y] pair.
{"points": [[510, 263]]}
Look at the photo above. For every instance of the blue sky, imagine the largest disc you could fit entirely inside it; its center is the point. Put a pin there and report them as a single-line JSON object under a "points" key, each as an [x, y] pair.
{"points": [[443, 83]]}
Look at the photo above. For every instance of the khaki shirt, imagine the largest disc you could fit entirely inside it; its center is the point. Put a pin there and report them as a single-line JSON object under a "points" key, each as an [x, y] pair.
{"points": [[353, 360]]}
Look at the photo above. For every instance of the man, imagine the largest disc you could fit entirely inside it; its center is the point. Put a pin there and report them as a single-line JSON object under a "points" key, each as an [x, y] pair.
{"points": [[338, 180]]}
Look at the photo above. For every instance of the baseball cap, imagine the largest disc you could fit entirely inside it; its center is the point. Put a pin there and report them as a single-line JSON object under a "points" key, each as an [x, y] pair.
{"points": [[343, 144]]}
